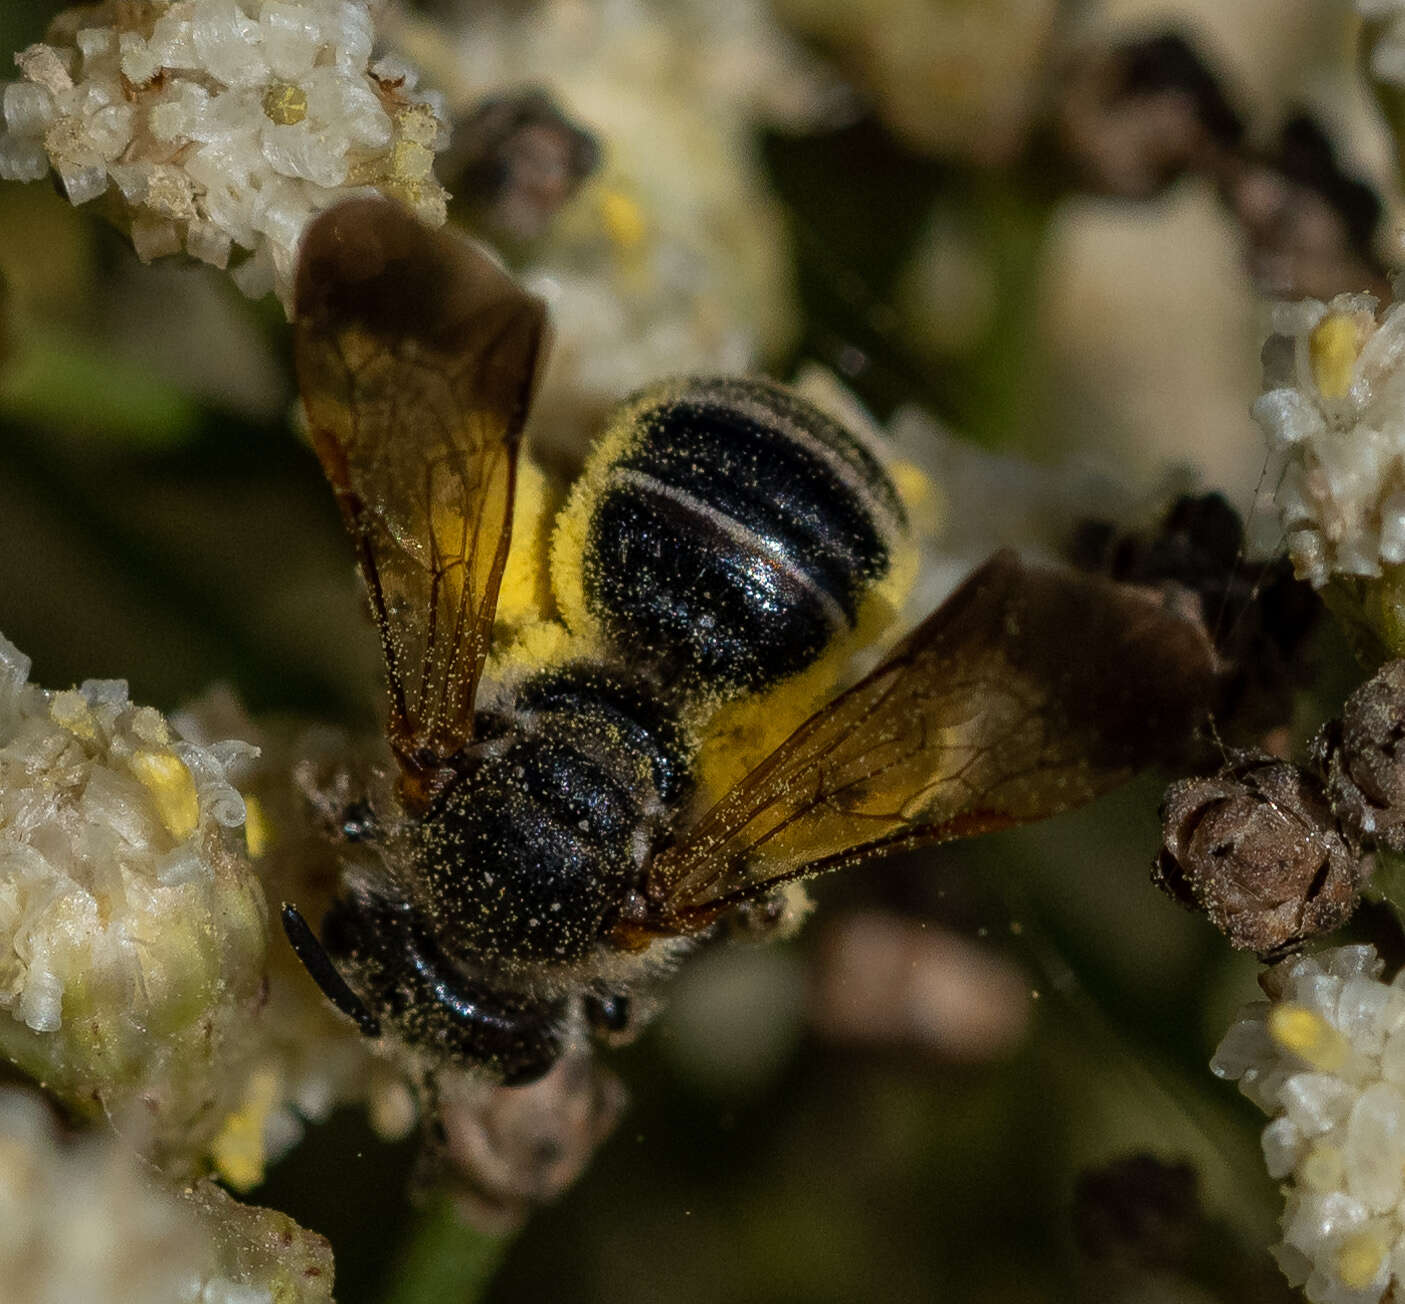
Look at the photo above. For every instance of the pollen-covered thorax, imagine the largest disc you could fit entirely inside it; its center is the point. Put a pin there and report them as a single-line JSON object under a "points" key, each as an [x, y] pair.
{"points": [[529, 852]]}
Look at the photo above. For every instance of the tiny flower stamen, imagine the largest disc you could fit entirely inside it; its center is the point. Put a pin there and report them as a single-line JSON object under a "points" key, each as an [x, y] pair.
{"points": [[1308, 1036], [1334, 345], [258, 831], [1359, 1259], [172, 790], [285, 104]]}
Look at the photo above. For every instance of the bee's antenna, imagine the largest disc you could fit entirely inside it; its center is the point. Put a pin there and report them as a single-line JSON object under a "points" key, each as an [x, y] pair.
{"points": [[324, 973]]}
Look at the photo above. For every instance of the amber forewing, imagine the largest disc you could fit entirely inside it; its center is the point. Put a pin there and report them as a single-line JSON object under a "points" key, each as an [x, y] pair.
{"points": [[416, 357], [1028, 692]]}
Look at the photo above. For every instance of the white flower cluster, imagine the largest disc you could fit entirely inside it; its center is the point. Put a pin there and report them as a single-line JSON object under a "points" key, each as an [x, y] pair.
{"points": [[1388, 46], [674, 257], [220, 123], [132, 928], [1326, 1057], [82, 1219], [949, 77], [1334, 417]]}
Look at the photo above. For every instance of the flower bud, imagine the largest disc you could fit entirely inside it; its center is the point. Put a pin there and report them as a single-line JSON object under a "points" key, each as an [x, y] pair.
{"points": [[132, 927], [1256, 849], [81, 1218], [1362, 758]]}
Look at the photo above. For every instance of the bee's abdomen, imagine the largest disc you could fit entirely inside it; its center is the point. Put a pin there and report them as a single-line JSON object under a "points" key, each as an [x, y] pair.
{"points": [[529, 852], [736, 534]]}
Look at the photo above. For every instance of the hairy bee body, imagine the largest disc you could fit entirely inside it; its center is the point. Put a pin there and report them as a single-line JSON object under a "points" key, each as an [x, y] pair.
{"points": [[552, 818], [660, 745], [730, 532]]}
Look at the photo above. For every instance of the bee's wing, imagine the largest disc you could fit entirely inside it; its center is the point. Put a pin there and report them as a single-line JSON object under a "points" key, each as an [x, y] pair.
{"points": [[1028, 692], [416, 357]]}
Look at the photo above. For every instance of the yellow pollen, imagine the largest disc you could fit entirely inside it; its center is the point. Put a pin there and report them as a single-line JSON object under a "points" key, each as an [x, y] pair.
{"points": [[1308, 1036], [238, 1150], [418, 124], [913, 483], [258, 832], [410, 162], [1359, 1259], [1333, 348], [285, 104], [171, 788], [623, 218], [70, 709], [1323, 1168]]}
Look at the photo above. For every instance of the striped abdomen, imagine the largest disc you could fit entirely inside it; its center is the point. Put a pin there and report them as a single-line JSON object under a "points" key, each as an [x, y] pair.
{"points": [[733, 532]]}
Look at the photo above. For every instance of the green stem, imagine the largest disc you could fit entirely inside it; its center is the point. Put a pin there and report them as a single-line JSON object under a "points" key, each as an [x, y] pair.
{"points": [[446, 1261]]}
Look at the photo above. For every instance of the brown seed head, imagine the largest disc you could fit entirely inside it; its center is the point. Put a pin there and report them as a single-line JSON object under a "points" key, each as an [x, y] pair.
{"points": [[1362, 758], [1256, 849]]}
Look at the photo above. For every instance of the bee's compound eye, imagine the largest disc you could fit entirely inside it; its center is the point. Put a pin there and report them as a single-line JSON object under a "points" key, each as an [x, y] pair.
{"points": [[393, 953]]}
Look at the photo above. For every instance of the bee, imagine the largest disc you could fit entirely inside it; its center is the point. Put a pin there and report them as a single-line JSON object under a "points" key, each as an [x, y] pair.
{"points": [[662, 752]]}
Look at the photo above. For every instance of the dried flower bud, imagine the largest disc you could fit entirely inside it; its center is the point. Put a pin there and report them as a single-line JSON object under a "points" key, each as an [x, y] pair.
{"points": [[517, 159], [1132, 119], [507, 1149], [1257, 850], [1258, 615], [1363, 761], [1310, 225]]}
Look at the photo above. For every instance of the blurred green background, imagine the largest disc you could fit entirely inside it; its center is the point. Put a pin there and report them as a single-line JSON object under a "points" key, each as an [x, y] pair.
{"points": [[160, 522]]}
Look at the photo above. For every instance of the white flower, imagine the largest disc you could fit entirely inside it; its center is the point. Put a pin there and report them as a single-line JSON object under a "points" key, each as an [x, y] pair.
{"points": [[1326, 1057], [1387, 49], [83, 1219], [1334, 419], [132, 927], [674, 257], [222, 123], [949, 77]]}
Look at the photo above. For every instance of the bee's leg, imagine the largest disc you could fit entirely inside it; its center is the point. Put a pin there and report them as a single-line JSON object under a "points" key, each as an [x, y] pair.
{"points": [[324, 973]]}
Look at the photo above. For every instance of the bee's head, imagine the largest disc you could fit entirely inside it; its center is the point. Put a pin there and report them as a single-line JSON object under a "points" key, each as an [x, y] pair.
{"points": [[378, 962]]}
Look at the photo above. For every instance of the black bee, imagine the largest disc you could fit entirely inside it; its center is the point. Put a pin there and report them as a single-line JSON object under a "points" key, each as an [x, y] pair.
{"points": [[663, 749]]}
